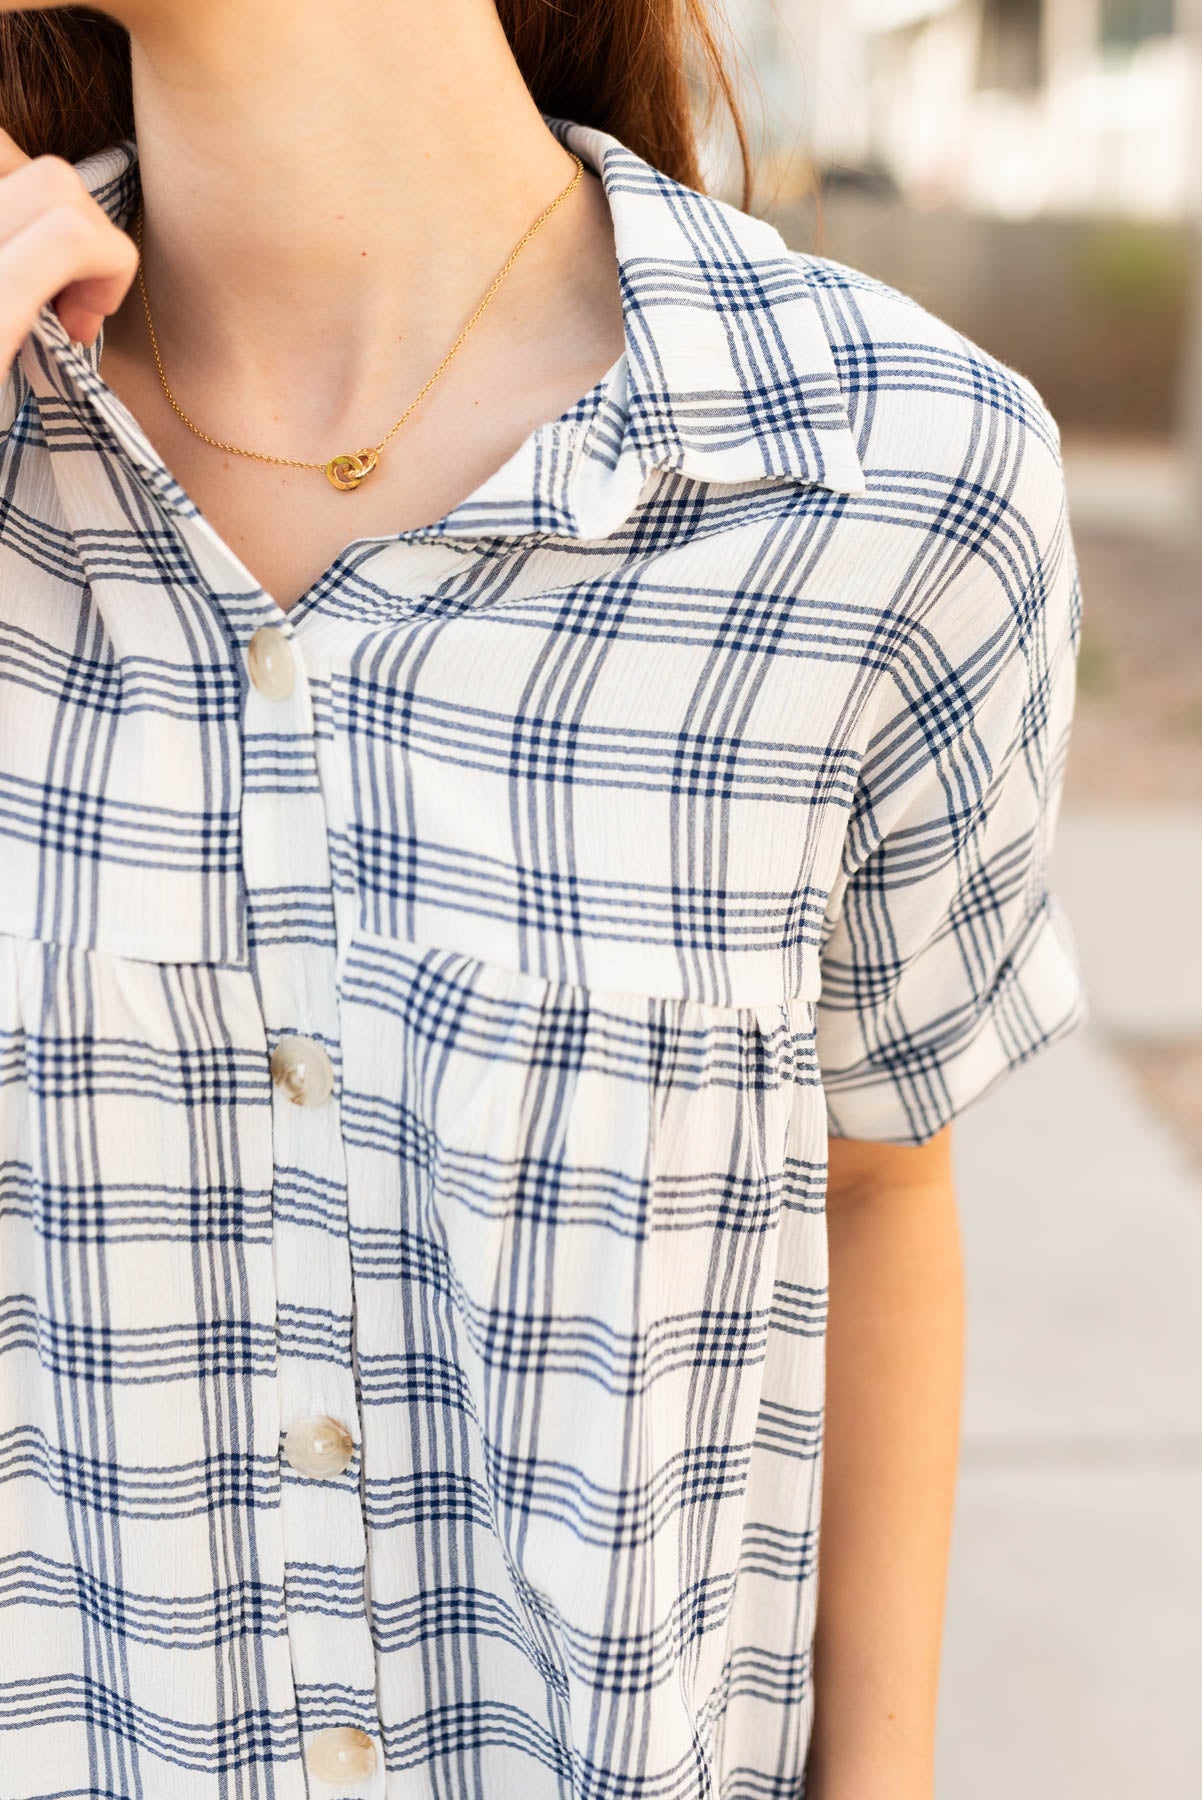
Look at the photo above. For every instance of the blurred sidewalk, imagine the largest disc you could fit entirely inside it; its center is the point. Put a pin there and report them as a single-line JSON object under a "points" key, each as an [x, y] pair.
{"points": [[1073, 1657], [1133, 489]]}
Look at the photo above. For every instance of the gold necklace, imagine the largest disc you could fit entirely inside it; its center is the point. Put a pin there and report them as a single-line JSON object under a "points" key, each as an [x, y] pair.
{"points": [[350, 469]]}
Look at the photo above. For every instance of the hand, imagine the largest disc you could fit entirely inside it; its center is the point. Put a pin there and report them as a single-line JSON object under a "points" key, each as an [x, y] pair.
{"points": [[56, 244]]}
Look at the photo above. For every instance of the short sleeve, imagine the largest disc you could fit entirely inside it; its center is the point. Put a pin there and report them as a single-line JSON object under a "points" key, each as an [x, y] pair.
{"points": [[946, 959]]}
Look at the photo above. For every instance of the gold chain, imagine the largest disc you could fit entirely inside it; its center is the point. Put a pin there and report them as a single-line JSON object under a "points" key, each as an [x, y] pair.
{"points": [[347, 471]]}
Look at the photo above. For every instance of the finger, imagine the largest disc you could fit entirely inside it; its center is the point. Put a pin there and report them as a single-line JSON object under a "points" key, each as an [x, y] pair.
{"points": [[98, 295], [80, 322], [38, 186], [53, 252], [35, 186], [11, 155], [85, 305]]}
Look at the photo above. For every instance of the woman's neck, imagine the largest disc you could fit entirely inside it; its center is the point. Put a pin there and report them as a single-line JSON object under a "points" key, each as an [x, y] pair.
{"points": [[327, 198], [328, 192]]}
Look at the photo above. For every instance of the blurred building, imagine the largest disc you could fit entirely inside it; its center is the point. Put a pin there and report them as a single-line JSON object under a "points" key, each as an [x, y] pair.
{"points": [[1031, 169], [1008, 107]]}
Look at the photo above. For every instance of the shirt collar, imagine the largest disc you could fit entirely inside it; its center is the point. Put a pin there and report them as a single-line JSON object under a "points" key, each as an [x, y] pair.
{"points": [[728, 374], [731, 376]]}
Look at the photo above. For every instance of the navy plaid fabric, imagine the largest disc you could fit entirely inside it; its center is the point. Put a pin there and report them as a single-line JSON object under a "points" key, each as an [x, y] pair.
{"points": [[682, 796]]}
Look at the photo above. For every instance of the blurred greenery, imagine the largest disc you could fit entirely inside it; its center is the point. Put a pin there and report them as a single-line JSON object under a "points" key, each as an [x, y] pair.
{"points": [[1095, 667], [1132, 267]]}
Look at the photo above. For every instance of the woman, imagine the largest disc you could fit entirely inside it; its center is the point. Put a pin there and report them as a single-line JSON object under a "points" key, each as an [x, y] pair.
{"points": [[531, 721]]}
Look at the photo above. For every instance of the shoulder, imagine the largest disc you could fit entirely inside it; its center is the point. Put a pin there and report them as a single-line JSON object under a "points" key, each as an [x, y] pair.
{"points": [[892, 349], [960, 451], [923, 400]]}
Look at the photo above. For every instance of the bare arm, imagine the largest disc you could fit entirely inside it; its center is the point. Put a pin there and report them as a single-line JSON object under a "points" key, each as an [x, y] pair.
{"points": [[894, 1376]]}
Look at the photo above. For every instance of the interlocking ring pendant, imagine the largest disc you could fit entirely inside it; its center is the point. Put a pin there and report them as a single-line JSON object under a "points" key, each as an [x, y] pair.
{"points": [[347, 471]]}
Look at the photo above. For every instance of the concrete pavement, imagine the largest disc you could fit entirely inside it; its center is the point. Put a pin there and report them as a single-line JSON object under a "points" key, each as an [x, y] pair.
{"points": [[1131, 880], [1140, 490], [1073, 1651]]}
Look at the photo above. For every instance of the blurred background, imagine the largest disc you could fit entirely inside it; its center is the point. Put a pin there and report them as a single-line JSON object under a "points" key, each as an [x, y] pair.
{"points": [[1031, 170]]}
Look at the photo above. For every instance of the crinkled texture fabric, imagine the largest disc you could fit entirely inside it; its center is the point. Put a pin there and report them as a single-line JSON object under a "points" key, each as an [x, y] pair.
{"points": [[681, 796]]}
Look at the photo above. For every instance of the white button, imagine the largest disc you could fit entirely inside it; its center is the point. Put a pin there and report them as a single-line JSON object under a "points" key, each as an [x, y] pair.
{"points": [[341, 1754], [319, 1446], [302, 1070], [269, 662]]}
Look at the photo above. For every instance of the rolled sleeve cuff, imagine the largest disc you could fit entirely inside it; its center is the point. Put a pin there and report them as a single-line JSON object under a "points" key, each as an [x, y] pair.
{"points": [[910, 1084]]}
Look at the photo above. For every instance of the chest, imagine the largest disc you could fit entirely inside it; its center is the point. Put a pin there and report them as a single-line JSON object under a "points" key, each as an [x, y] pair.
{"points": [[627, 766]]}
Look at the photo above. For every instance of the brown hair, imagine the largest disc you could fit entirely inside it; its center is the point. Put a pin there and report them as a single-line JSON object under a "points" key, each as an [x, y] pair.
{"points": [[620, 65]]}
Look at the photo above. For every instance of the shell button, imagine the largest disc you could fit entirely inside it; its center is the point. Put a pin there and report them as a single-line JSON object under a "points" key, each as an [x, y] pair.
{"points": [[341, 1754], [302, 1071], [319, 1446], [270, 663]]}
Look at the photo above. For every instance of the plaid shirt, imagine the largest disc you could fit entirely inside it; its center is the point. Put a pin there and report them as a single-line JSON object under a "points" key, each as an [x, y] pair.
{"points": [[437, 1402]]}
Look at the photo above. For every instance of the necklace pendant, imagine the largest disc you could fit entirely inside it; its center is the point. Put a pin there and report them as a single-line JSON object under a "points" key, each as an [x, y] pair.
{"points": [[347, 471]]}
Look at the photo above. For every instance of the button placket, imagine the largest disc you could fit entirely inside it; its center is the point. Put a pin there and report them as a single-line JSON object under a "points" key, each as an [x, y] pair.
{"points": [[293, 946]]}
